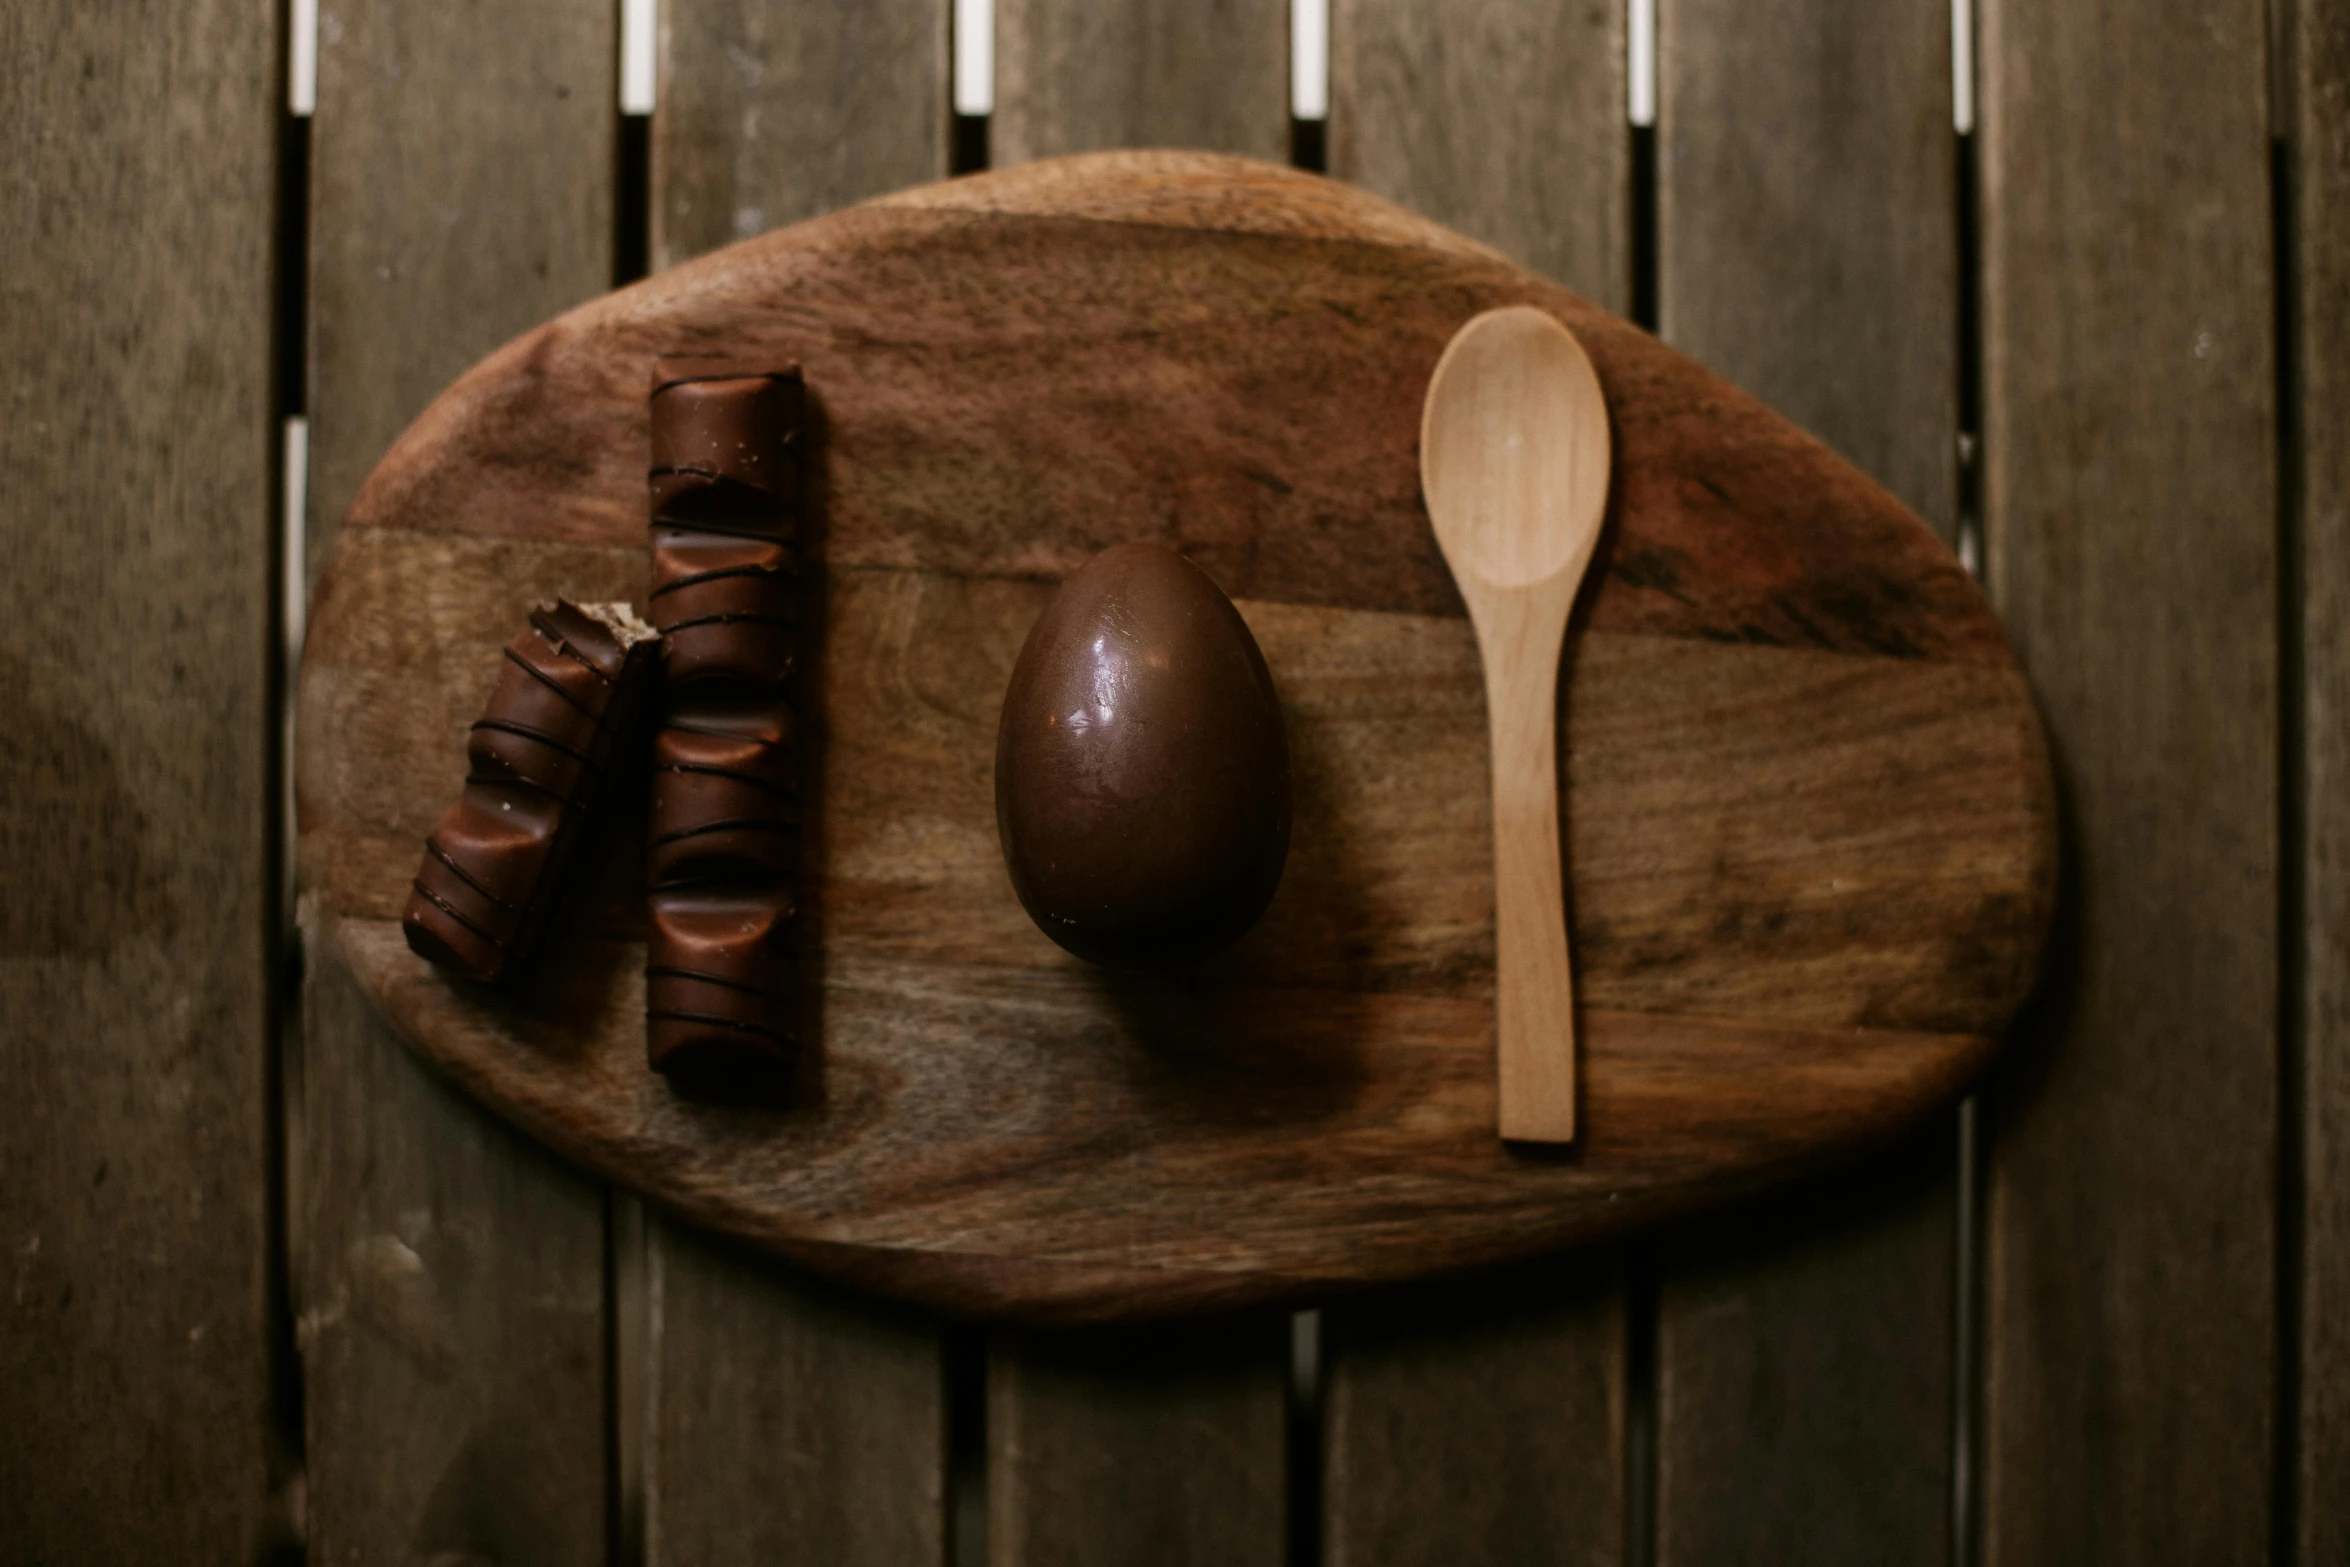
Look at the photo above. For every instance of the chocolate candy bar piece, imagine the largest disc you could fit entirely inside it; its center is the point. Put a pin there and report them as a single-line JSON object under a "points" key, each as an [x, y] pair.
{"points": [[724, 850], [718, 992], [725, 445], [571, 689]]}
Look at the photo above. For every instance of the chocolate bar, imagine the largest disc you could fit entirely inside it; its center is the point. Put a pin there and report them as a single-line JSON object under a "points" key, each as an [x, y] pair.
{"points": [[723, 856], [571, 691]]}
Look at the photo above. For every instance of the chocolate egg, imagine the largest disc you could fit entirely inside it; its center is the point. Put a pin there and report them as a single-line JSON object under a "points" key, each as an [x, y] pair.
{"points": [[1142, 773]]}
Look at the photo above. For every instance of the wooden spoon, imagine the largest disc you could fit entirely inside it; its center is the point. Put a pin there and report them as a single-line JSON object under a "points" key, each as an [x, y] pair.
{"points": [[1514, 465]]}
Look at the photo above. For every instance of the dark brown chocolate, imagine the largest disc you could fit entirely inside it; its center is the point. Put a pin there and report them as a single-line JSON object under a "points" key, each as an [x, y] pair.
{"points": [[724, 851], [724, 447], [570, 698], [1142, 769]]}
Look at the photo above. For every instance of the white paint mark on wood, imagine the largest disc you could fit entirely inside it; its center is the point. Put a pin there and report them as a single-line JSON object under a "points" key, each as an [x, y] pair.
{"points": [[1640, 62], [302, 58], [1962, 66], [294, 602], [297, 512], [974, 56], [1309, 59], [639, 22]]}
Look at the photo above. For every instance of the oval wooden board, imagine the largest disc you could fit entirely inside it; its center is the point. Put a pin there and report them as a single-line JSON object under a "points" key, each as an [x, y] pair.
{"points": [[1808, 809]]}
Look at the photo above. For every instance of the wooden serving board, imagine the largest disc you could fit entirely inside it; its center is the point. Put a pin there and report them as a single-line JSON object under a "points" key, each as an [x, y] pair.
{"points": [[1807, 805]]}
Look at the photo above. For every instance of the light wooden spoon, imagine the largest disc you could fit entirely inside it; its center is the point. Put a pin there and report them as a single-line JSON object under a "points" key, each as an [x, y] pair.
{"points": [[1514, 465]]}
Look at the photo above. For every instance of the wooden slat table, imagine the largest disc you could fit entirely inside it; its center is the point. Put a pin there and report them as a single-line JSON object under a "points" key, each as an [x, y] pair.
{"points": [[271, 1288], [2313, 1128], [1807, 247], [2133, 545]]}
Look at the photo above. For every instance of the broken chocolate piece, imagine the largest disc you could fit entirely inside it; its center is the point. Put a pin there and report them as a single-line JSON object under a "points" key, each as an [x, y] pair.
{"points": [[571, 689], [724, 850]]}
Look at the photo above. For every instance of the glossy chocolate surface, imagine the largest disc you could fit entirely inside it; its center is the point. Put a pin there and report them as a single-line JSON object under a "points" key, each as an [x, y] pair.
{"points": [[1142, 770], [570, 698], [725, 446], [723, 857]]}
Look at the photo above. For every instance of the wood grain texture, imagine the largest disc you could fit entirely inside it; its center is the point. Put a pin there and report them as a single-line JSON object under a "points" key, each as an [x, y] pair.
{"points": [[137, 176], [1080, 75], [1159, 1446], [2129, 403], [768, 115], [1501, 118], [785, 1420], [788, 1422], [1319, 1110], [1806, 216], [1804, 1351], [453, 1315], [1480, 1422], [2319, 57], [1807, 252], [461, 189]]}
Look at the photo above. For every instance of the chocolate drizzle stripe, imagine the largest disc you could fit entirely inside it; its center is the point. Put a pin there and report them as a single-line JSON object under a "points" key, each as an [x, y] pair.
{"points": [[685, 727], [666, 971], [728, 618], [443, 904], [545, 627], [771, 573], [717, 475], [517, 781], [783, 791], [732, 824], [509, 726], [552, 684], [675, 1016], [432, 846]]}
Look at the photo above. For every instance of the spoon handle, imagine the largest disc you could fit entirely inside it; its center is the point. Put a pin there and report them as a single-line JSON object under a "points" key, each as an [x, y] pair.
{"points": [[1535, 1004]]}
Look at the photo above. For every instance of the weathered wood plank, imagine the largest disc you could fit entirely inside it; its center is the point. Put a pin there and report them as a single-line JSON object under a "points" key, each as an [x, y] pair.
{"points": [[771, 114], [452, 1324], [461, 191], [788, 1422], [1501, 118], [1807, 251], [1443, 1416], [1079, 75], [2130, 509], [137, 181], [1806, 238], [1804, 1372], [454, 1301], [1504, 119], [784, 1418], [2319, 57], [1138, 1446]]}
